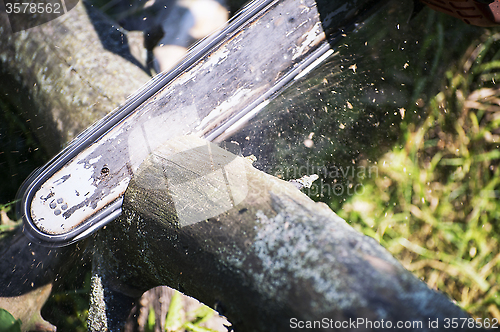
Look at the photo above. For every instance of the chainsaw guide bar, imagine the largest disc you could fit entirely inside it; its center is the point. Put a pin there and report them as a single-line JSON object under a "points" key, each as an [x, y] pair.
{"points": [[223, 82]]}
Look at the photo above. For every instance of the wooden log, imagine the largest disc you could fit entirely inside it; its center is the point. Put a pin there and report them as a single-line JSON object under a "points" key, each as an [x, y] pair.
{"points": [[75, 69], [206, 222], [61, 76]]}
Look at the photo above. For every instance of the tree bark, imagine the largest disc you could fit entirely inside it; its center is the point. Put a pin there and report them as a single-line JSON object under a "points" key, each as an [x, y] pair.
{"points": [[61, 76], [74, 70], [261, 252]]}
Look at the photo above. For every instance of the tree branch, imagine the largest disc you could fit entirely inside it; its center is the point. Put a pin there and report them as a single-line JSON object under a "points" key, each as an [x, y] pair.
{"points": [[204, 221], [75, 70]]}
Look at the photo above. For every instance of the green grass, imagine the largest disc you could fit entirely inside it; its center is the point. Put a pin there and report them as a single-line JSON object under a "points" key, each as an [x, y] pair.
{"points": [[8, 323], [435, 204], [178, 319], [6, 223]]}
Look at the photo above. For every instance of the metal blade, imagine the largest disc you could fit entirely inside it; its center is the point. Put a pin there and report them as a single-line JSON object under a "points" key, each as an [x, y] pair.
{"points": [[224, 81]]}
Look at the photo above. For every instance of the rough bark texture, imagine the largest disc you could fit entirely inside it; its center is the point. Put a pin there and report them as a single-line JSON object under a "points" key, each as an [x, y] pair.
{"points": [[273, 256], [75, 70], [65, 75]]}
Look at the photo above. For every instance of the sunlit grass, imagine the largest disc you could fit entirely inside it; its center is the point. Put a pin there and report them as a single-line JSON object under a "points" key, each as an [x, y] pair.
{"points": [[435, 204], [178, 319], [6, 223]]}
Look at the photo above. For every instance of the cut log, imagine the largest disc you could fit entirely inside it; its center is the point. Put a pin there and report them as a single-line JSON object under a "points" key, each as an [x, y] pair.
{"points": [[62, 76], [75, 70], [204, 221]]}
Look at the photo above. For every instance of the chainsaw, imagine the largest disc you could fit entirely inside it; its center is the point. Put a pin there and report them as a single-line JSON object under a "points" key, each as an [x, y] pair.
{"points": [[223, 82]]}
